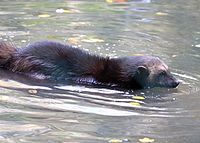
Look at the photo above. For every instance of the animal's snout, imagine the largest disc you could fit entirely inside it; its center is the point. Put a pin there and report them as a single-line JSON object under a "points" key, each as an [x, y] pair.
{"points": [[175, 83]]}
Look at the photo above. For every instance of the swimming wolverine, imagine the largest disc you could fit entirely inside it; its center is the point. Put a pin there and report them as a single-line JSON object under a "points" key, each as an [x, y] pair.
{"points": [[59, 62]]}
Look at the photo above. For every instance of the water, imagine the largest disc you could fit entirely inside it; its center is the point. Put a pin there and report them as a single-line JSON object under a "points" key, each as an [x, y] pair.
{"points": [[31, 111]]}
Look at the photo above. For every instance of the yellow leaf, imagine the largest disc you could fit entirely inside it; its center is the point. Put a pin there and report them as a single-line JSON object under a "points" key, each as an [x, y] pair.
{"points": [[162, 13], [115, 141], [44, 15], [135, 103], [146, 140], [60, 10], [74, 40], [109, 1], [138, 97]]}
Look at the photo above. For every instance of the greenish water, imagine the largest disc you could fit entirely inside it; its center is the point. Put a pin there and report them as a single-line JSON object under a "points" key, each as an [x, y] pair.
{"points": [[40, 112]]}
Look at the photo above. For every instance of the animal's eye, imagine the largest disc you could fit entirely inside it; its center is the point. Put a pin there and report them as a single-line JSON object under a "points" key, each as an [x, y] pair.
{"points": [[163, 73]]}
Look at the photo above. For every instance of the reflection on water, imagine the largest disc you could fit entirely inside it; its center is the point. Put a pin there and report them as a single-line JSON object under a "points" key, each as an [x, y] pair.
{"points": [[35, 111]]}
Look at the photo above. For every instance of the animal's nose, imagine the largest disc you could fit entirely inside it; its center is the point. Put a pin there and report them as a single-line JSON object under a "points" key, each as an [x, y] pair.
{"points": [[175, 83]]}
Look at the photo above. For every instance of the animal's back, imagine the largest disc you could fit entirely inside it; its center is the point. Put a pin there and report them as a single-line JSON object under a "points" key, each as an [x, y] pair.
{"points": [[48, 50], [53, 60]]}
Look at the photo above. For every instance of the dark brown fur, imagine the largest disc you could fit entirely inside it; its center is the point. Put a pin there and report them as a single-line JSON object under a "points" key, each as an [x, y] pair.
{"points": [[58, 62], [6, 51]]}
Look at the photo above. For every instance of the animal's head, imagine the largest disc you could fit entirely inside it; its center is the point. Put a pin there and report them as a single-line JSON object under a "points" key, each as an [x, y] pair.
{"points": [[150, 71]]}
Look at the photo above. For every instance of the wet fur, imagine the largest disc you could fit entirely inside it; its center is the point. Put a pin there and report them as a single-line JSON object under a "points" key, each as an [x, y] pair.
{"points": [[59, 62]]}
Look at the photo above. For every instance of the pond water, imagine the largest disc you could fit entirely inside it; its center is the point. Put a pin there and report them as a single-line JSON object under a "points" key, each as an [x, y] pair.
{"points": [[40, 112]]}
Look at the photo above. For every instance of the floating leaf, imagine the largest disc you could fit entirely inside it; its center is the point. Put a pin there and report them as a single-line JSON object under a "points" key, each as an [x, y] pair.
{"points": [[115, 141], [84, 38], [60, 10], [162, 13], [109, 1], [135, 104], [74, 40], [44, 15], [138, 97], [146, 140], [32, 91]]}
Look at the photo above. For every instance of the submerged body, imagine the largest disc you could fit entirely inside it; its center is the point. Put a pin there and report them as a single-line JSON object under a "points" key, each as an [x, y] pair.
{"points": [[59, 62]]}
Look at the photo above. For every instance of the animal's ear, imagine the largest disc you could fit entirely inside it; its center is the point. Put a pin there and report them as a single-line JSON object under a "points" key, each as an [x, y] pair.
{"points": [[142, 70]]}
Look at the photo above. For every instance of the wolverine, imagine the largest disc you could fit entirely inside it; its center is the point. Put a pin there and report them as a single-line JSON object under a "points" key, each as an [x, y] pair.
{"points": [[59, 62]]}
